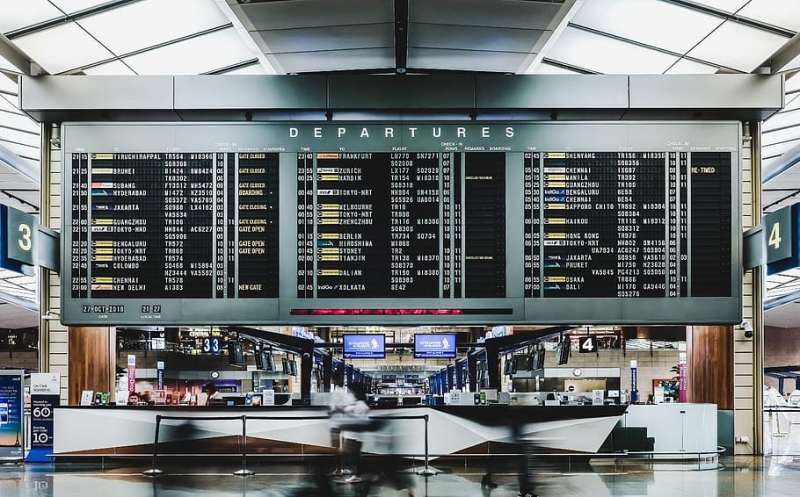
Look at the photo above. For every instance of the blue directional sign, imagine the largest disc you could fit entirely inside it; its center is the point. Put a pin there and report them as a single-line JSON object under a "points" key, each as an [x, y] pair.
{"points": [[780, 233], [364, 346], [16, 239], [432, 346]]}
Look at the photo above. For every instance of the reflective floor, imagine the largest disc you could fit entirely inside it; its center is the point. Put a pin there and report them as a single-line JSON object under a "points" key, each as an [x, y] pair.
{"points": [[740, 476]]}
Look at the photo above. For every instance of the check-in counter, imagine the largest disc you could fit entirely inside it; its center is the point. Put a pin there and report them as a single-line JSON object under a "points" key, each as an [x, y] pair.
{"points": [[676, 428], [108, 431]]}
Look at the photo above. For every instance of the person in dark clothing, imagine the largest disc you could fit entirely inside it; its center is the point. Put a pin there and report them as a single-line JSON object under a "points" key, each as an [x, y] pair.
{"points": [[212, 393]]}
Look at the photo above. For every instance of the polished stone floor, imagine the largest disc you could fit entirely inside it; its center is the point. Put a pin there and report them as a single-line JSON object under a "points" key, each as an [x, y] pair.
{"points": [[740, 476]]}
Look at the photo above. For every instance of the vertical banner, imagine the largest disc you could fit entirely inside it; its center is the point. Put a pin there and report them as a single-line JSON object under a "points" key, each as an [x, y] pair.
{"points": [[45, 397], [131, 374], [160, 375], [12, 429], [682, 394], [634, 383]]}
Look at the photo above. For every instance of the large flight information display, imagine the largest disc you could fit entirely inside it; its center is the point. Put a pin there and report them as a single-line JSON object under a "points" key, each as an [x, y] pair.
{"points": [[348, 223]]}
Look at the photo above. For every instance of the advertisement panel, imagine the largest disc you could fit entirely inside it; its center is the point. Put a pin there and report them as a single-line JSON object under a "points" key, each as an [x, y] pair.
{"points": [[12, 429], [45, 397]]}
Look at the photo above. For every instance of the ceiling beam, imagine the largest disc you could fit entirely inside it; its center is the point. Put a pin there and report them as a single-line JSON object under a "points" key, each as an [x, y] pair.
{"points": [[19, 301], [779, 62], [782, 300], [18, 59], [551, 35], [400, 36]]}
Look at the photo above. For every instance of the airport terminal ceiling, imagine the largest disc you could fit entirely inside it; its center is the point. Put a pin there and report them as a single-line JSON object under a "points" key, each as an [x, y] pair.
{"points": [[402, 37]]}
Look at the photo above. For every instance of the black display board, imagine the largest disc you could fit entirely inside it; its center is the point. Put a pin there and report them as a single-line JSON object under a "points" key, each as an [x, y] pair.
{"points": [[401, 223]]}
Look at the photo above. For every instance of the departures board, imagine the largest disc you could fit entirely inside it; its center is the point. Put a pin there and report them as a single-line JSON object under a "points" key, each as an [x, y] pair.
{"points": [[401, 223]]}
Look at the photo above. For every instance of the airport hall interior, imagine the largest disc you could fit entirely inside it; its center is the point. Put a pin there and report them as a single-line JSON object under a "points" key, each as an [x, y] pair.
{"points": [[429, 248]]}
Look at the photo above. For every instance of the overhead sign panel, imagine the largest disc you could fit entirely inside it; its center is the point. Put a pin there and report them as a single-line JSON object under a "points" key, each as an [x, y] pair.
{"points": [[781, 232], [425, 223], [364, 346], [17, 239], [434, 346]]}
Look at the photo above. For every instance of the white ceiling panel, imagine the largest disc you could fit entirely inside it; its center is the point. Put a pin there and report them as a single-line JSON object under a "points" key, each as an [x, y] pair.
{"points": [[779, 279], [766, 163], [338, 60], [151, 22], [792, 273], [194, 56], [15, 317], [73, 6], [113, 68], [781, 13], [9, 134], [314, 13], [11, 178], [8, 85], [781, 120], [7, 105], [472, 37], [19, 121], [463, 60], [30, 196], [792, 103], [788, 179], [685, 66], [779, 148], [581, 48], [494, 13], [792, 65], [23, 151], [792, 83], [17, 284], [785, 316], [18, 14], [83, 49], [652, 22], [770, 138], [738, 46], [326, 38], [729, 6], [772, 200]]}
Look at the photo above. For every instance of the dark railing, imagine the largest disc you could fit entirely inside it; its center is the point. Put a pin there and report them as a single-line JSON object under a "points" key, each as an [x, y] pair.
{"points": [[426, 471], [244, 471]]}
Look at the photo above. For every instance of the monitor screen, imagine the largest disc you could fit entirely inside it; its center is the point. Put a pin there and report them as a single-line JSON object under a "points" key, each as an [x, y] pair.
{"points": [[364, 346], [259, 359], [235, 353], [264, 360], [438, 345]]}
